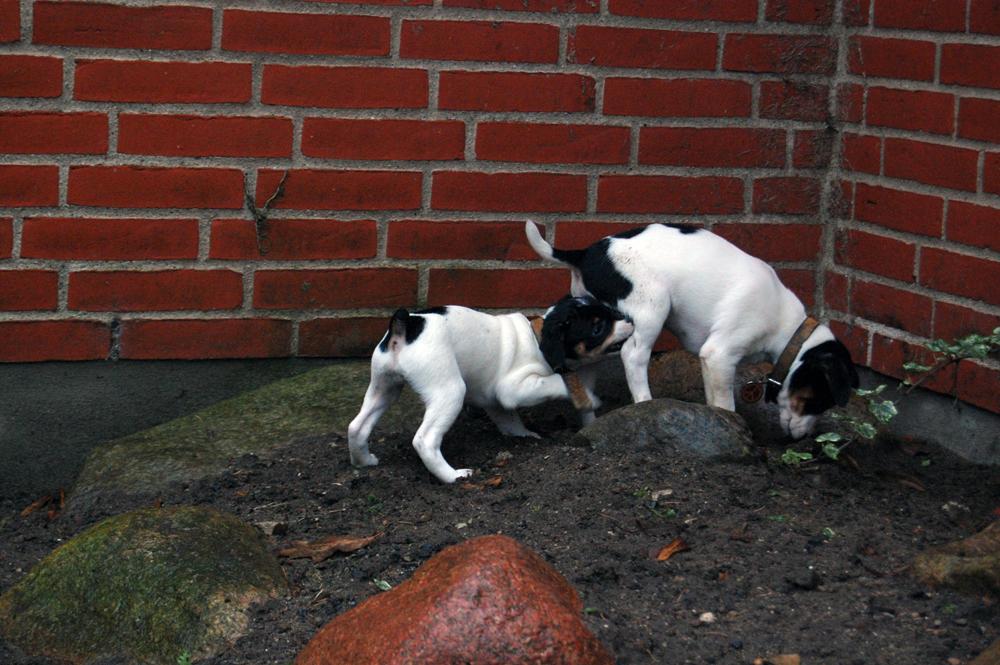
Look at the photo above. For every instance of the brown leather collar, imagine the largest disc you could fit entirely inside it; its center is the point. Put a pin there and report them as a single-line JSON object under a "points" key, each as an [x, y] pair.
{"points": [[780, 371], [577, 393]]}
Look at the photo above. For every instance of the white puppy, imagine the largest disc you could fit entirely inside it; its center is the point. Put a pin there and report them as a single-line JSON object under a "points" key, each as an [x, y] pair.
{"points": [[722, 304], [455, 355]]}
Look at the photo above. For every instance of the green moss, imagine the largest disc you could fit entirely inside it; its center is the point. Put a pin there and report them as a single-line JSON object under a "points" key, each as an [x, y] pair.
{"points": [[151, 584], [195, 446]]}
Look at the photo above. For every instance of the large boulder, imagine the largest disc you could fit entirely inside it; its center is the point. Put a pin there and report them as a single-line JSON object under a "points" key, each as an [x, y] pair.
{"points": [[488, 601], [989, 657], [148, 586], [971, 565], [680, 427], [132, 471]]}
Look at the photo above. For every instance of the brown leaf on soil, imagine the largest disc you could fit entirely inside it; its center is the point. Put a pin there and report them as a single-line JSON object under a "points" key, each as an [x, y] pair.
{"points": [[489, 482], [785, 659], [675, 546], [324, 548], [36, 504]]}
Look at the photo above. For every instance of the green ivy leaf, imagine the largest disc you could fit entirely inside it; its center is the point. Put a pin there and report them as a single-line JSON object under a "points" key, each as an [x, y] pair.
{"points": [[878, 390], [831, 450], [829, 437], [884, 411], [794, 457], [382, 584], [913, 367], [864, 428]]}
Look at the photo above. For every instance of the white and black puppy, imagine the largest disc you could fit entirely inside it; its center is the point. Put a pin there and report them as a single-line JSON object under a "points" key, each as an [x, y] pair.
{"points": [[722, 304], [455, 355]]}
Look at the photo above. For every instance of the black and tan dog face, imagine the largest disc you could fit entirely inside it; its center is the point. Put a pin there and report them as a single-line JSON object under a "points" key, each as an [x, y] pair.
{"points": [[823, 379], [581, 329]]}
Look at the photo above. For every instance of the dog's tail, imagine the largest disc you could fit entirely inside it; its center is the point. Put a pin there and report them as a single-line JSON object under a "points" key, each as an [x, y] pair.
{"points": [[571, 256], [395, 337]]}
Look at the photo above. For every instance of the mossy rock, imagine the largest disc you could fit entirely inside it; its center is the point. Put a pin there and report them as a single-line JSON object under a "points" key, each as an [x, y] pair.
{"points": [[131, 471], [147, 586], [971, 565]]}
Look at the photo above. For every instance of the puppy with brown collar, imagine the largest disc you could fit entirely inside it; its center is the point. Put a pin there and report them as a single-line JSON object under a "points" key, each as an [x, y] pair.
{"points": [[454, 355], [722, 304]]}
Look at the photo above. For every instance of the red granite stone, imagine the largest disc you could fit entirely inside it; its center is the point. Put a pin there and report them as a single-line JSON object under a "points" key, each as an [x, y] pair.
{"points": [[488, 601]]}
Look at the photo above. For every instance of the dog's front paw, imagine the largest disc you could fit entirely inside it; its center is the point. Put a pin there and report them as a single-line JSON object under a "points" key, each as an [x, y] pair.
{"points": [[462, 473], [364, 460]]}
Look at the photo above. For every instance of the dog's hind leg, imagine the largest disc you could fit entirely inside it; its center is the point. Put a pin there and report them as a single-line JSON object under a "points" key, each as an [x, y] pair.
{"points": [[509, 423], [635, 359], [718, 371], [382, 392], [444, 403]]}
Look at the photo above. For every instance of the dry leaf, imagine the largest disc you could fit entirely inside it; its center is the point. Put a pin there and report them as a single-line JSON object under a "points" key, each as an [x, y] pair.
{"points": [[489, 482], [36, 504], [320, 550], [785, 659], [675, 546]]}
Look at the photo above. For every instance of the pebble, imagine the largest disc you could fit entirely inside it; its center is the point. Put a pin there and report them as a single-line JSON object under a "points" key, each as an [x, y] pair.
{"points": [[706, 617]]}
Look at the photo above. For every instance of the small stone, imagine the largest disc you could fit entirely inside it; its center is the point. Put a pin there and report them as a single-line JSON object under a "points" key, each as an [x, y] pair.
{"points": [[736, 645], [954, 661], [273, 528], [706, 617], [806, 580]]}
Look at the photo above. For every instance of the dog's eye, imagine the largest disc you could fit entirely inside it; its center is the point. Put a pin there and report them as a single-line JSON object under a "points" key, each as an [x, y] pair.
{"points": [[599, 327]]}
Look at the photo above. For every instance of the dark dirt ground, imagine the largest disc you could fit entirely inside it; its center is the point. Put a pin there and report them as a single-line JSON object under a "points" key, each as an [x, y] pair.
{"points": [[758, 559]]}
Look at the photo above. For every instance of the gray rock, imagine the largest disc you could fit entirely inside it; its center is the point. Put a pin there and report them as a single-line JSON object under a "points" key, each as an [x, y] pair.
{"points": [[680, 427]]}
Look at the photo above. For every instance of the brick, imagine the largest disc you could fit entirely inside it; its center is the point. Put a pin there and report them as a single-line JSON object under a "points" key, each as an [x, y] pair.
{"points": [[670, 194], [30, 76], [653, 49], [812, 12], [977, 119], [991, 173], [931, 164], [891, 58], [975, 225], [835, 291], [335, 138], [552, 144], [710, 98], [945, 16], [954, 321], [855, 338], [801, 282], [861, 153], [786, 195], [496, 288], [162, 82], [493, 41], [876, 254], [895, 308], [779, 54], [516, 91], [79, 239], [10, 21], [204, 136], [151, 187], [481, 241], [26, 290], [774, 242], [355, 337], [794, 100], [405, 3], [977, 384], [850, 102], [345, 87], [34, 341], [155, 291], [712, 146], [917, 110], [304, 34], [812, 148], [308, 189], [294, 239], [100, 25], [22, 185], [335, 289], [984, 17], [36, 132], [6, 237], [889, 355], [547, 6], [902, 211], [857, 12], [204, 339], [733, 11], [960, 275], [509, 192], [973, 65]]}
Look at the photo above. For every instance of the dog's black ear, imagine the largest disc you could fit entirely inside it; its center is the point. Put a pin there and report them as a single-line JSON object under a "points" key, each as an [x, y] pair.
{"points": [[840, 377], [830, 375], [552, 344]]}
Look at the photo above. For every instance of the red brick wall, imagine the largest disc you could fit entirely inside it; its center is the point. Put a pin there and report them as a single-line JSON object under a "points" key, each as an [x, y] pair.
{"points": [[855, 147]]}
